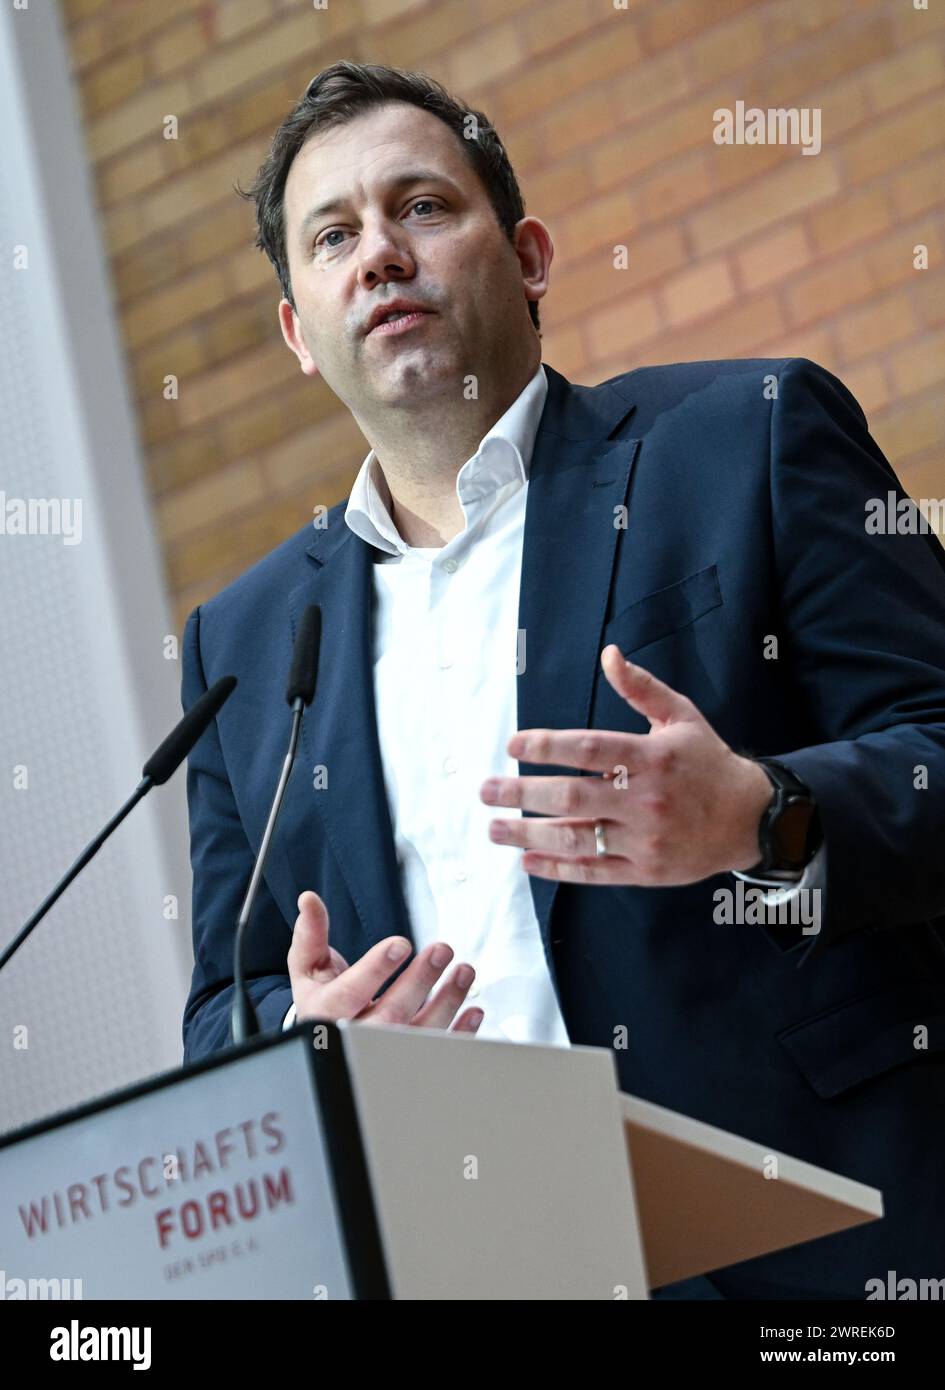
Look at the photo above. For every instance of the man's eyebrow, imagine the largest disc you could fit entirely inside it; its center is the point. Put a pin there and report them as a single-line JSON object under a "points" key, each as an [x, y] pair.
{"points": [[402, 180]]}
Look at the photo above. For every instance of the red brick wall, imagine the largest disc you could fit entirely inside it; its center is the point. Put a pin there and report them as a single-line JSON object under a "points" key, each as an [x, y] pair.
{"points": [[608, 117]]}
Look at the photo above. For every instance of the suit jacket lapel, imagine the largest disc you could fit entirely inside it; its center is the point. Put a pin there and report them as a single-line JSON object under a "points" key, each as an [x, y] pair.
{"points": [[339, 736], [577, 478]]}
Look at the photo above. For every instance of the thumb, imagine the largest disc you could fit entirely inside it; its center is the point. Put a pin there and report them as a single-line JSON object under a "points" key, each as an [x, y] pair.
{"points": [[658, 702], [309, 951]]}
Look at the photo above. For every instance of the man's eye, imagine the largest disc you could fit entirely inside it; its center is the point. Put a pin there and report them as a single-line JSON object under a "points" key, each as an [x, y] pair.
{"points": [[323, 239]]}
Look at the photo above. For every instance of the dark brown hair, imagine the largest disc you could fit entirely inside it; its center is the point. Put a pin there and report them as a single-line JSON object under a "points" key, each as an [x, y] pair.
{"points": [[345, 90]]}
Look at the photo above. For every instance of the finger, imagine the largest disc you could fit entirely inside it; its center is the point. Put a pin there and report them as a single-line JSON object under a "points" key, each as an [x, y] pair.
{"points": [[354, 989], [604, 869], [441, 1008], [408, 993], [593, 750], [468, 1022], [565, 839], [583, 798], [309, 954], [659, 702]]}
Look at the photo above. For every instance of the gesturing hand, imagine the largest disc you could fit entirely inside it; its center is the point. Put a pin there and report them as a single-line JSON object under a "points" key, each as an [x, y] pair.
{"points": [[325, 986], [676, 804]]}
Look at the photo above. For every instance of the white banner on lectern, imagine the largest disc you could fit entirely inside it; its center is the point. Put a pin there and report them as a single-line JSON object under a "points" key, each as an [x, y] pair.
{"points": [[195, 1190]]}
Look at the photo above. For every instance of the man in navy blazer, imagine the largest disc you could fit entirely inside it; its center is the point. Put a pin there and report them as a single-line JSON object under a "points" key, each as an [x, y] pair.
{"points": [[718, 565]]}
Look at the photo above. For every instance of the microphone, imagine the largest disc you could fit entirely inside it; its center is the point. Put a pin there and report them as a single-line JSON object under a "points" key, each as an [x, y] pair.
{"points": [[300, 691], [303, 674], [160, 766]]}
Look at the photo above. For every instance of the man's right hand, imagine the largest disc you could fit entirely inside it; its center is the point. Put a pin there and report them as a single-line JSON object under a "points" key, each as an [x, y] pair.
{"points": [[325, 986]]}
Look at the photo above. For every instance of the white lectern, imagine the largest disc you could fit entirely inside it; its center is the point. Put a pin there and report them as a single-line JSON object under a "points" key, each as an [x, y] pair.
{"points": [[359, 1162]]}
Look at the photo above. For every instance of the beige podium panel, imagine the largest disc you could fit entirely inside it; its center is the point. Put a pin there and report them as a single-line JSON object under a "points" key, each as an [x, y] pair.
{"points": [[499, 1169], [708, 1198]]}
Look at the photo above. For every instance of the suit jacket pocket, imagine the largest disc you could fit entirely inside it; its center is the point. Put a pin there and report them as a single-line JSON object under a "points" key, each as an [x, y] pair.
{"points": [[664, 611], [864, 1037]]}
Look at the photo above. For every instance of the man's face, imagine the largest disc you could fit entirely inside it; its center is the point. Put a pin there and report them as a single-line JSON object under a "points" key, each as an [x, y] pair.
{"points": [[411, 220]]}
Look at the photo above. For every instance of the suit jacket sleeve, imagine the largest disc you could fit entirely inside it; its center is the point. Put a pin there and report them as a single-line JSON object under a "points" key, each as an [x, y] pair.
{"points": [[863, 639], [222, 862]]}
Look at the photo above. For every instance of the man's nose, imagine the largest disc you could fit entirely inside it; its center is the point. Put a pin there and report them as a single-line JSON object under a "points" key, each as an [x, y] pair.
{"points": [[384, 255]]}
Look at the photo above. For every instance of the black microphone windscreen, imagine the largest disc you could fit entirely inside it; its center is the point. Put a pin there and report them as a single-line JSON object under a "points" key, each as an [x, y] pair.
{"points": [[304, 672], [164, 761]]}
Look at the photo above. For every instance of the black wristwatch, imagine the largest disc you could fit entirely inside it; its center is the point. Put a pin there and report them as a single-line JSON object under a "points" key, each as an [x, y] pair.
{"points": [[789, 832]]}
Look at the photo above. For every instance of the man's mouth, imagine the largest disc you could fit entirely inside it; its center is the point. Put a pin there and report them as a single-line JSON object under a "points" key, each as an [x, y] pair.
{"points": [[398, 321]]}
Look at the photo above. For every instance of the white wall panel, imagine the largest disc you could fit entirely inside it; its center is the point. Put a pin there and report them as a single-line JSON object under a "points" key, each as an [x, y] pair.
{"points": [[85, 689]]}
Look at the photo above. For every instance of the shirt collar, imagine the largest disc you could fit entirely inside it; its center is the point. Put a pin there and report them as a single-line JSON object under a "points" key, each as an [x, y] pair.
{"points": [[504, 456]]}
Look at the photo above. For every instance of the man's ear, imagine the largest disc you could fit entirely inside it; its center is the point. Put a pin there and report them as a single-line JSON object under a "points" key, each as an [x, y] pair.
{"points": [[292, 333], [535, 249]]}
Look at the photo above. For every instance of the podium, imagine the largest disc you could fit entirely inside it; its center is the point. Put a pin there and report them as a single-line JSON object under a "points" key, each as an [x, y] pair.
{"points": [[358, 1162]]}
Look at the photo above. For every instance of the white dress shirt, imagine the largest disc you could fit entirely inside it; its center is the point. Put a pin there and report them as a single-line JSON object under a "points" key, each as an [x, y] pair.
{"points": [[445, 643]]}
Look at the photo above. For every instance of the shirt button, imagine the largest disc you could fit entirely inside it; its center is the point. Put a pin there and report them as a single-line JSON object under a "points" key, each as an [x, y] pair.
{"points": [[451, 566], [472, 993], [446, 661], [450, 765], [460, 875]]}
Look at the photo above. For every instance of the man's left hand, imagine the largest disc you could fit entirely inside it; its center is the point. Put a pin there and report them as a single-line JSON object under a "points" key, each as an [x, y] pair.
{"points": [[676, 804]]}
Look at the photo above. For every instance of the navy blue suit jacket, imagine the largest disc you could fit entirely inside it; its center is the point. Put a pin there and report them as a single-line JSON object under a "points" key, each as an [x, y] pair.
{"points": [[745, 520]]}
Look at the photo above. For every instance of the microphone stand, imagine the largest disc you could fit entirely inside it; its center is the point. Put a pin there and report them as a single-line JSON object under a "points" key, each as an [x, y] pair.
{"points": [[143, 787], [161, 765], [243, 1021]]}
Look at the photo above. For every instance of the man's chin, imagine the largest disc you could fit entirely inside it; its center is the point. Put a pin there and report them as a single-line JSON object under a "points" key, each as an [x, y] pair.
{"points": [[417, 375]]}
